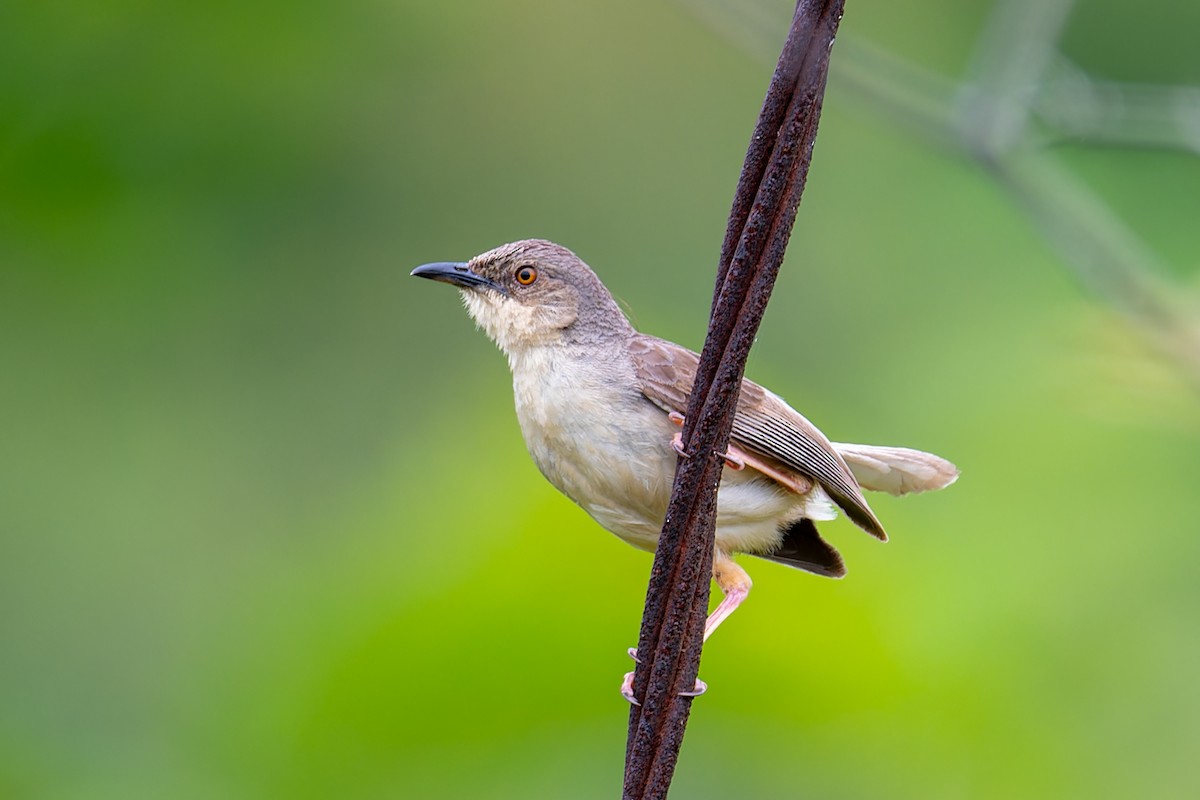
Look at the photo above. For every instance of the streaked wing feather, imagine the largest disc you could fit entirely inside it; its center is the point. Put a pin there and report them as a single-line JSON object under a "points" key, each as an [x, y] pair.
{"points": [[793, 440], [763, 423]]}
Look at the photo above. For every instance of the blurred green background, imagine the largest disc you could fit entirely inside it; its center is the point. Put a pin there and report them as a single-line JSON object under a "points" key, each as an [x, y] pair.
{"points": [[267, 526]]}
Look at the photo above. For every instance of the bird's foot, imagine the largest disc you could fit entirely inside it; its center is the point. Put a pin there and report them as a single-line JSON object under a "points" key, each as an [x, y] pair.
{"points": [[733, 462], [733, 457], [627, 684], [677, 439], [677, 444], [627, 689]]}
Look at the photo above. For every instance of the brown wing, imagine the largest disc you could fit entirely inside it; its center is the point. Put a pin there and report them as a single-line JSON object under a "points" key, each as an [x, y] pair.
{"points": [[763, 423]]}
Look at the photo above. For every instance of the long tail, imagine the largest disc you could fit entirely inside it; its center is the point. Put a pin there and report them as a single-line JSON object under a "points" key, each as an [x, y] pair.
{"points": [[897, 470]]}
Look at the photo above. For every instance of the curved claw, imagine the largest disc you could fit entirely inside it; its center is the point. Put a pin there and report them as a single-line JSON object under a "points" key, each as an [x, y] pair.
{"points": [[732, 461], [633, 654], [677, 445], [700, 688]]}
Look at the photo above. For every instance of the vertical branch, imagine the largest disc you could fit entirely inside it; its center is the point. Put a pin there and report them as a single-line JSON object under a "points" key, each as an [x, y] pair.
{"points": [[760, 224]]}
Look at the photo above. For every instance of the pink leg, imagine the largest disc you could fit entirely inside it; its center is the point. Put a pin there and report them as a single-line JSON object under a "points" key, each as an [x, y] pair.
{"points": [[727, 606], [734, 584]]}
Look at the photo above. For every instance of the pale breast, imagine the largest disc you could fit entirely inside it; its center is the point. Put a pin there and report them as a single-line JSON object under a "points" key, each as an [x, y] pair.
{"points": [[604, 446], [609, 449]]}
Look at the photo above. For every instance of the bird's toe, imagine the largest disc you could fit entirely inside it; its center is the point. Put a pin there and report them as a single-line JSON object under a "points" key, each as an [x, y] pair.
{"points": [[627, 689]]}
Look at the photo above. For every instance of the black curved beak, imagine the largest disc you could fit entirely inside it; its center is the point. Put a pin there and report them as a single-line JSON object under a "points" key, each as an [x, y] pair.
{"points": [[455, 273]]}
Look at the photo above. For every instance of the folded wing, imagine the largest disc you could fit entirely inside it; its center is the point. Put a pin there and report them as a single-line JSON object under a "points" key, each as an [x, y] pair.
{"points": [[764, 424]]}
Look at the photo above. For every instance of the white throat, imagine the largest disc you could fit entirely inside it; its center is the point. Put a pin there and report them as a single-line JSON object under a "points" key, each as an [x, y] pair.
{"points": [[513, 326]]}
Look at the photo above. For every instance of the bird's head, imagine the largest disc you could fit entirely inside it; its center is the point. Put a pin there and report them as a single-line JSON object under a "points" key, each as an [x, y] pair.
{"points": [[532, 292]]}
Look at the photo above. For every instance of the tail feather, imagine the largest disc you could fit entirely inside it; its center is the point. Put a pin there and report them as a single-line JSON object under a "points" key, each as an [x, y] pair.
{"points": [[897, 470]]}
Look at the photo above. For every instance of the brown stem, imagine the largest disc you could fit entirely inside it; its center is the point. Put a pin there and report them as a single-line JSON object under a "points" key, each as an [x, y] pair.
{"points": [[760, 222]]}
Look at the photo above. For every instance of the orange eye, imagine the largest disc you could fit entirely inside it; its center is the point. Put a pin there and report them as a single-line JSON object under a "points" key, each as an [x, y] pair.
{"points": [[526, 275]]}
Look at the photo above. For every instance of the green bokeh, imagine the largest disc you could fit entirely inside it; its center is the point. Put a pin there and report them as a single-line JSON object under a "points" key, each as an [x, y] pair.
{"points": [[267, 526]]}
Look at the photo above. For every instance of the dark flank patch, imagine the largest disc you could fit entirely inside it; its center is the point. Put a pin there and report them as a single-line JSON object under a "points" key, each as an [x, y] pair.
{"points": [[802, 547]]}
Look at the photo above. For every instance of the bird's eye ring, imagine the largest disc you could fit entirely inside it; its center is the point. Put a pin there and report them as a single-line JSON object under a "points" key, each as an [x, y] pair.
{"points": [[526, 275]]}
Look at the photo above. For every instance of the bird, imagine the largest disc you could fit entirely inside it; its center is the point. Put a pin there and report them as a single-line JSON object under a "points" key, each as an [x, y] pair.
{"points": [[600, 406]]}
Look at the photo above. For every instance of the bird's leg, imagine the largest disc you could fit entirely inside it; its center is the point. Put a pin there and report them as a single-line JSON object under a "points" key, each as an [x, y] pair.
{"points": [[734, 584], [734, 457]]}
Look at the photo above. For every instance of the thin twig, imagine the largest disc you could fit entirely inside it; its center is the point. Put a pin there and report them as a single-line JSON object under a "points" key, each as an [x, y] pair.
{"points": [[760, 224]]}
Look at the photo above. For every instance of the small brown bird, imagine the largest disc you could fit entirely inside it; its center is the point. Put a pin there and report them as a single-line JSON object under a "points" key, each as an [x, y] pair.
{"points": [[600, 406]]}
